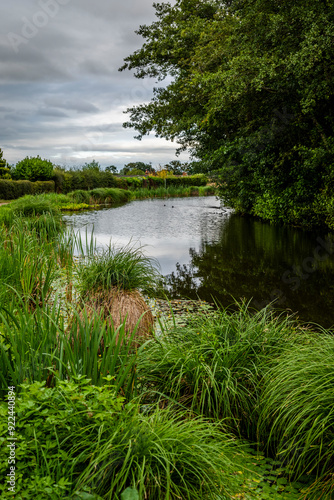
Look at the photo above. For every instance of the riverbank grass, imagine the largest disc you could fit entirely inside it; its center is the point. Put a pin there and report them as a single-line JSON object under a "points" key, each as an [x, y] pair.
{"points": [[105, 414]]}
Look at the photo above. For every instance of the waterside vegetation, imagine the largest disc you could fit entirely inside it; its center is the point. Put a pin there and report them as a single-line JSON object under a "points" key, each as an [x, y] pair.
{"points": [[113, 405]]}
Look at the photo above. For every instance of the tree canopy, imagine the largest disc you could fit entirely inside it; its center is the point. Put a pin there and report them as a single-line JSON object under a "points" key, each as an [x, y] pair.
{"points": [[248, 89]]}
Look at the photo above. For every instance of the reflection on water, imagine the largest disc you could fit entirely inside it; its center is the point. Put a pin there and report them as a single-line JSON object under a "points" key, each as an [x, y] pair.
{"points": [[206, 251]]}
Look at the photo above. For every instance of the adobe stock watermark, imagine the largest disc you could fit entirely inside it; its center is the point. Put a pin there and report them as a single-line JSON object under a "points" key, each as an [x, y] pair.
{"points": [[11, 475], [299, 273], [30, 27]]}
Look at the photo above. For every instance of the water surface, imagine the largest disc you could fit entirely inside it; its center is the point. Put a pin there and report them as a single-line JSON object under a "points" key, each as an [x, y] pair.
{"points": [[206, 251]]}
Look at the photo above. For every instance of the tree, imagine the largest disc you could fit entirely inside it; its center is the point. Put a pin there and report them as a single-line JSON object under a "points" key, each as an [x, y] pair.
{"points": [[92, 166], [250, 93], [111, 169], [33, 168], [176, 167], [4, 167], [136, 168]]}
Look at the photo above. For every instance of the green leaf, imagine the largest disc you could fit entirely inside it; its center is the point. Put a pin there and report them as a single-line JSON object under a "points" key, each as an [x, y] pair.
{"points": [[130, 494]]}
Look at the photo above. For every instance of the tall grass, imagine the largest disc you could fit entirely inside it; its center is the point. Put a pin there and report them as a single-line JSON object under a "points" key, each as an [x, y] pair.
{"points": [[42, 344], [126, 268], [162, 456], [215, 364], [28, 267], [297, 413], [100, 196]]}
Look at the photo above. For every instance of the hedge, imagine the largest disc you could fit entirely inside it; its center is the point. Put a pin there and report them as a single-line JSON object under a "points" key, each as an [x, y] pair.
{"points": [[11, 190], [73, 180]]}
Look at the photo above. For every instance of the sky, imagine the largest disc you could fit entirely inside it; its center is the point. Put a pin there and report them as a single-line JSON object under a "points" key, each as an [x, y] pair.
{"points": [[61, 94]]}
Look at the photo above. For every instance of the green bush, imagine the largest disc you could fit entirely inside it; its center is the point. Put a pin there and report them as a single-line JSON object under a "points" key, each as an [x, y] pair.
{"points": [[187, 180], [11, 190], [85, 179], [33, 169]]}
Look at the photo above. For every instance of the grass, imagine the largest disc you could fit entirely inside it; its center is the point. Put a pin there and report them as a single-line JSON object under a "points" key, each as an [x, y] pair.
{"points": [[27, 260], [39, 346], [126, 268], [216, 362], [298, 411]]}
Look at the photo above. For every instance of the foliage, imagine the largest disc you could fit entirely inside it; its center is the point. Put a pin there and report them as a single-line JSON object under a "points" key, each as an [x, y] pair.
{"points": [[129, 168], [112, 169], [4, 167], [85, 179], [176, 167], [250, 92], [93, 166], [126, 268], [33, 169], [78, 438], [297, 413], [10, 189]]}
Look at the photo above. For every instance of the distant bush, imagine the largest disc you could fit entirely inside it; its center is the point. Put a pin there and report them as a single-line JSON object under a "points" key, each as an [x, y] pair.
{"points": [[11, 190], [85, 179], [33, 169], [93, 178], [178, 181]]}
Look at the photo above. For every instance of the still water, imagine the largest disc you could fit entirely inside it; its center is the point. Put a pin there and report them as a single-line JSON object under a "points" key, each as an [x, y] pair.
{"points": [[206, 251]]}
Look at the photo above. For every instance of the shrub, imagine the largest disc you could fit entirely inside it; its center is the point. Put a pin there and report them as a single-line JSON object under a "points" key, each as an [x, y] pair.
{"points": [[86, 179], [11, 190], [33, 169]]}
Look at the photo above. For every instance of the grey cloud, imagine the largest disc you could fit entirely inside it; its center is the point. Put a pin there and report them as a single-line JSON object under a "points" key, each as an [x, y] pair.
{"points": [[52, 113], [61, 93], [78, 105]]}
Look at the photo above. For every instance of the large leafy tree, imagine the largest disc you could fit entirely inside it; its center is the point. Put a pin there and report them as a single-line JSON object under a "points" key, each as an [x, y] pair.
{"points": [[249, 90]]}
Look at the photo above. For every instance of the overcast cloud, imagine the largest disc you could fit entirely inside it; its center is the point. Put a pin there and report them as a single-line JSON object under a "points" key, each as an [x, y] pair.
{"points": [[61, 95]]}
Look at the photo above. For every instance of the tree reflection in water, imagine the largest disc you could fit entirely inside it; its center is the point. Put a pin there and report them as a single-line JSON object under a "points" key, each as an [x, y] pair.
{"points": [[254, 260]]}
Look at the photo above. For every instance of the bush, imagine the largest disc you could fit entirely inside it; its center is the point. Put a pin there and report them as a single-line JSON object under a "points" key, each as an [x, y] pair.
{"points": [[33, 169], [11, 190], [86, 179]]}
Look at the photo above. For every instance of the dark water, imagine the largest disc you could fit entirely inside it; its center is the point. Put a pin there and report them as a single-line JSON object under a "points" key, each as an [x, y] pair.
{"points": [[207, 251]]}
